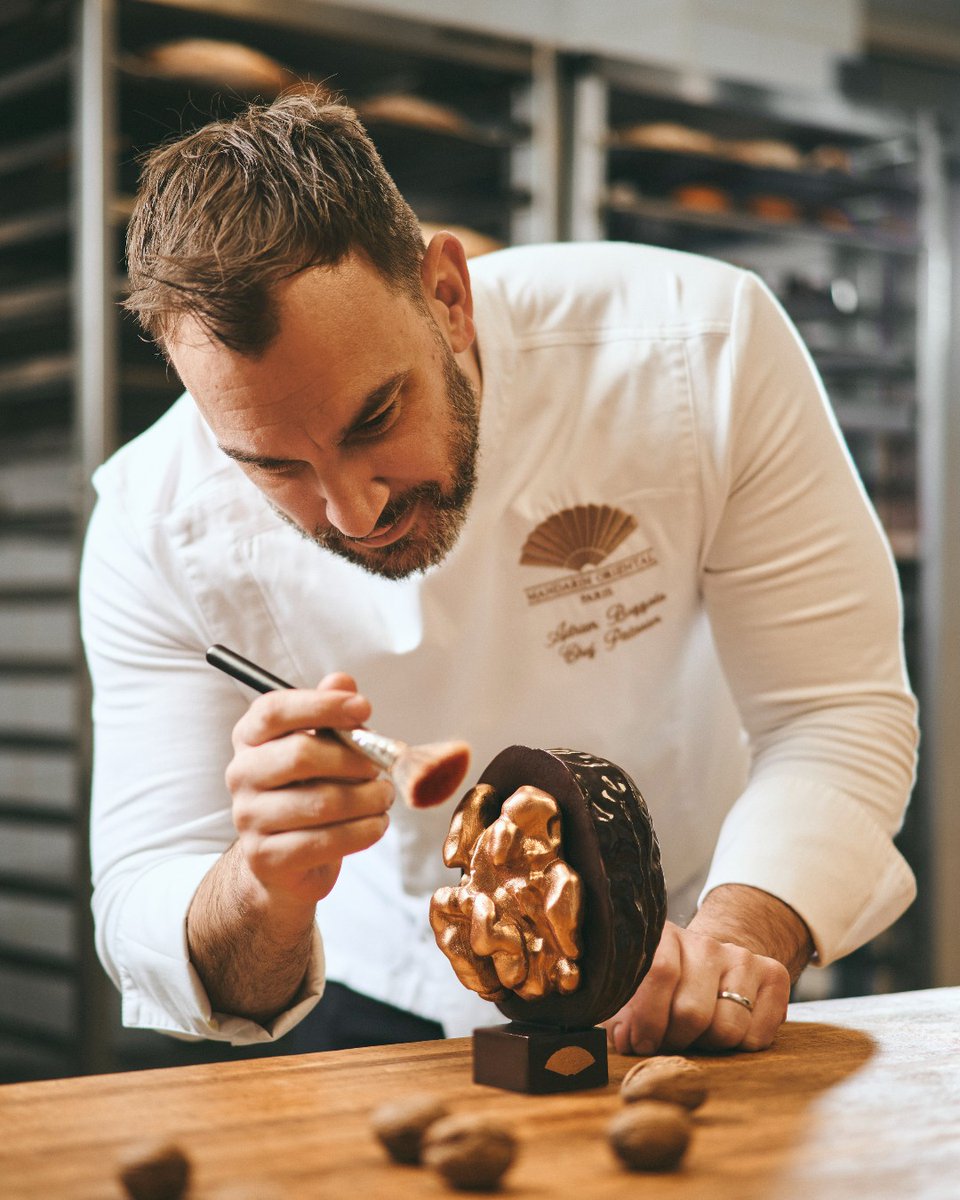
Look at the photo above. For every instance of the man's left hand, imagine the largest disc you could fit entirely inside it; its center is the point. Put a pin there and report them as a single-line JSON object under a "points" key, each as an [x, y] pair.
{"points": [[680, 1002]]}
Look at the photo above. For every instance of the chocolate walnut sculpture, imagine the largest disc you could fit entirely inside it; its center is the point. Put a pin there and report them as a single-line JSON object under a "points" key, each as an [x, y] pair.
{"points": [[558, 912]]}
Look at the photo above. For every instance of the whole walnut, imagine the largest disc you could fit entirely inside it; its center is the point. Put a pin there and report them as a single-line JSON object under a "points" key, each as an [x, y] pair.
{"points": [[401, 1124], [154, 1171], [650, 1135], [672, 1078], [470, 1152]]}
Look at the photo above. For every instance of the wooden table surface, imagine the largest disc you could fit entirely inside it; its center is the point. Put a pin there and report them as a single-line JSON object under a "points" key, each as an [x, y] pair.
{"points": [[858, 1098]]}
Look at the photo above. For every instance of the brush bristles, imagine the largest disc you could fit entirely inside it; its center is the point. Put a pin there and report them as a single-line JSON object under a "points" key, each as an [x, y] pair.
{"points": [[428, 775]]}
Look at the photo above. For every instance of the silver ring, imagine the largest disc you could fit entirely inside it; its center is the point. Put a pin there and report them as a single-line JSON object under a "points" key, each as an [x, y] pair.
{"points": [[737, 999]]}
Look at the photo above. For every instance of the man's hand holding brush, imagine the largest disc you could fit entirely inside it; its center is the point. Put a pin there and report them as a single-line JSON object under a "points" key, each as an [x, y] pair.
{"points": [[302, 801]]}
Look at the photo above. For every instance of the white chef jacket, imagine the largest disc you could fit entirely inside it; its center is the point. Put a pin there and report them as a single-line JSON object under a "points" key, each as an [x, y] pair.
{"points": [[738, 652]]}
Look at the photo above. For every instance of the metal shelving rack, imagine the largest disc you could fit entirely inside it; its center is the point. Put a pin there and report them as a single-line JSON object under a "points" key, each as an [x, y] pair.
{"points": [[37, 533], [939, 370], [79, 102], [42, 844], [825, 199]]}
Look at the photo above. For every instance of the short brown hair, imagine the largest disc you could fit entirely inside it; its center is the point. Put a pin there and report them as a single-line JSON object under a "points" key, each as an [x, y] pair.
{"points": [[227, 212]]}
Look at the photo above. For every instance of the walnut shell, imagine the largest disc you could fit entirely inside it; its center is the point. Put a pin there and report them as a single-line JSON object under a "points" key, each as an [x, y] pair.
{"points": [[610, 842], [650, 1135], [154, 1171], [401, 1124], [470, 1152], [673, 1078]]}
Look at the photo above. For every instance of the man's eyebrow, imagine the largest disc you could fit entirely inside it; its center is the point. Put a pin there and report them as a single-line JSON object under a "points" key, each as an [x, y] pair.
{"points": [[253, 460], [371, 403]]}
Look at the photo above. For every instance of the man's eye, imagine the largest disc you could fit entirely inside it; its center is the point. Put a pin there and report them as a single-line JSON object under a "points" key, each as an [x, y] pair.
{"points": [[379, 422], [279, 469]]}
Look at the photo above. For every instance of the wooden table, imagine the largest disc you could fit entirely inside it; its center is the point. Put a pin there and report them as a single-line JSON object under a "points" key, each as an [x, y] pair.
{"points": [[858, 1098]]}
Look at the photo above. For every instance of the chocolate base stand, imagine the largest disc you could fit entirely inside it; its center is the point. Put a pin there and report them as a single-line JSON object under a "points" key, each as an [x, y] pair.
{"points": [[557, 915], [539, 1060]]}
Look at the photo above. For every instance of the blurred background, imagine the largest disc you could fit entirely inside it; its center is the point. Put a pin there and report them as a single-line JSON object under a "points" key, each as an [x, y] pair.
{"points": [[815, 143]]}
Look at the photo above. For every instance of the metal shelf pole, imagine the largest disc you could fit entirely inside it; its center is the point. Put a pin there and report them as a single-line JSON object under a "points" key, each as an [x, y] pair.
{"points": [[96, 425], [939, 452]]}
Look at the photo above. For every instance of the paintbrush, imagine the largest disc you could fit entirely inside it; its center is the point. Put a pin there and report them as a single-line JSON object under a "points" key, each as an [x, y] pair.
{"points": [[423, 775]]}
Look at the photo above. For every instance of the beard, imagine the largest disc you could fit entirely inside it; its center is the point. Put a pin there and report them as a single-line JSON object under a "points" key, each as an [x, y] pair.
{"points": [[442, 512]]}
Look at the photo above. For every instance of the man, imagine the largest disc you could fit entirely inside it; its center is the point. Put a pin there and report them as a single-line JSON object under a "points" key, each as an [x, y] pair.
{"points": [[588, 496]]}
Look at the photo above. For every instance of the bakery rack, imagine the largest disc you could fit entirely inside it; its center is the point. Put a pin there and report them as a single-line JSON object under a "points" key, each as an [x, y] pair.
{"points": [[469, 127], [824, 199], [43, 925]]}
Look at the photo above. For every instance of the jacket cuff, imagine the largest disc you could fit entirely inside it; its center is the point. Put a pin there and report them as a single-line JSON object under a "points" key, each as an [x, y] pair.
{"points": [[159, 986], [818, 851]]}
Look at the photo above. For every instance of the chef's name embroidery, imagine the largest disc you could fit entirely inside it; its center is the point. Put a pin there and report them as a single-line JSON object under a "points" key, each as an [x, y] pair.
{"points": [[593, 579], [621, 623]]}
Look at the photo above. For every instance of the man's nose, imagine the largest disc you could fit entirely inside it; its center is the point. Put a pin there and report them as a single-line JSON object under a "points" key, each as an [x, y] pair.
{"points": [[353, 505]]}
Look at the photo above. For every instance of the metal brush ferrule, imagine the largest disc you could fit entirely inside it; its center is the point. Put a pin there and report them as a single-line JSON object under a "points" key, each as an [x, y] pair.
{"points": [[381, 750]]}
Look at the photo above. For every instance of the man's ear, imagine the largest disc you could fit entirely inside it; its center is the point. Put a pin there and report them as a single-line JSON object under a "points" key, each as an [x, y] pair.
{"points": [[446, 287]]}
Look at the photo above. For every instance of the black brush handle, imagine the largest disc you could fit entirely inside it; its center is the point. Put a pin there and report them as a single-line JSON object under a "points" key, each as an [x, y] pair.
{"points": [[382, 751], [243, 669]]}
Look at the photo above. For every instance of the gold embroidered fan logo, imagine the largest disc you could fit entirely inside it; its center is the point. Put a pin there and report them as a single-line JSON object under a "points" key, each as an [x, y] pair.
{"points": [[580, 539], [577, 536]]}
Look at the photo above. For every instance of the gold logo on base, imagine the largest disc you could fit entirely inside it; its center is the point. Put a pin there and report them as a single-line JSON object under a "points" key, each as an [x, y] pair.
{"points": [[571, 1060]]}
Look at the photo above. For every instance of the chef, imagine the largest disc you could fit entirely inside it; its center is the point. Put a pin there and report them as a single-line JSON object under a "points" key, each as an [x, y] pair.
{"points": [[589, 496]]}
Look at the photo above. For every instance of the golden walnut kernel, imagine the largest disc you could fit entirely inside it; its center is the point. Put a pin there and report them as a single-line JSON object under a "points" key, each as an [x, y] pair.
{"points": [[650, 1135], [401, 1124], [470, 1152], [154, 1171], [674, 1079]]}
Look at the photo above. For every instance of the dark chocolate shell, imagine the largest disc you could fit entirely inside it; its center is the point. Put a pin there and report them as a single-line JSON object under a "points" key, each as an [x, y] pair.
{"points": [[609, 840]]}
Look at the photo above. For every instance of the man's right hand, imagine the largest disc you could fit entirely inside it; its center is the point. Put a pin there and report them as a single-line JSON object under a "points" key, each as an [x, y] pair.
{"points": [[302, 801]]}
